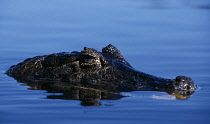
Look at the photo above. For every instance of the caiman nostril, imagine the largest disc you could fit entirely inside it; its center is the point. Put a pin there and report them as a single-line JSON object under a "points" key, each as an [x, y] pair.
{"points": [[188, 87]]}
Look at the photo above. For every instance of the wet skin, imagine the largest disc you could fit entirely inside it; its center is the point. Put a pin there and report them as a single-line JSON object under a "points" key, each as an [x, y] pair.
{"points": [[105, 71]]}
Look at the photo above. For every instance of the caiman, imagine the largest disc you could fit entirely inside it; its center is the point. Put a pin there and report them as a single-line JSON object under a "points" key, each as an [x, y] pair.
{"points": [[105, 71]]}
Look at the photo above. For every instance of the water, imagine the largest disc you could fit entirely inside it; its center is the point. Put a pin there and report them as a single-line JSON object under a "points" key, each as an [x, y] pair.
{"points": [[163, 38]]}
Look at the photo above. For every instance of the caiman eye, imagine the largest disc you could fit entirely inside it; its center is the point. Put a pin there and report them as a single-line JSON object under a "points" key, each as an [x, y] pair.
{"points": [[88, 59]]}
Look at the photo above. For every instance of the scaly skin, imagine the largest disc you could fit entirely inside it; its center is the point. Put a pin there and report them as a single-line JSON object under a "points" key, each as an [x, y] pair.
{"points": [[106, 71]]}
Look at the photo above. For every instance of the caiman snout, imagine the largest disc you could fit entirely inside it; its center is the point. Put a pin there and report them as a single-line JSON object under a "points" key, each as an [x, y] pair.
{"points": [[182, 83]]}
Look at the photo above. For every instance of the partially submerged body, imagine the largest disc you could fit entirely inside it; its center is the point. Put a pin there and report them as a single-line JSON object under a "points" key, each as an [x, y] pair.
{"points": [[104, 71]]}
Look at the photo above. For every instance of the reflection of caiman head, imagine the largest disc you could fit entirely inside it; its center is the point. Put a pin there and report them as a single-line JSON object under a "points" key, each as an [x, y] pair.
{"points": [[106, 71], [87, 96], [180, 94]]}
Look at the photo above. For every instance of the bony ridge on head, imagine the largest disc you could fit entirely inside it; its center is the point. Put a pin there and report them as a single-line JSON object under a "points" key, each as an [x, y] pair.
{"points": [[112, 52]]}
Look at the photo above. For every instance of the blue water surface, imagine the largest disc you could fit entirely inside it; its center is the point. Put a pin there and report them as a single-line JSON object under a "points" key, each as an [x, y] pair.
{"points": [[165, 38]]}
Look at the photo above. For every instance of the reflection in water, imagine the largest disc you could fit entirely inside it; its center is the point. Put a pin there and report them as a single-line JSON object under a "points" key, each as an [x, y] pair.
{"points": [[90, 96], [181, 94]]}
